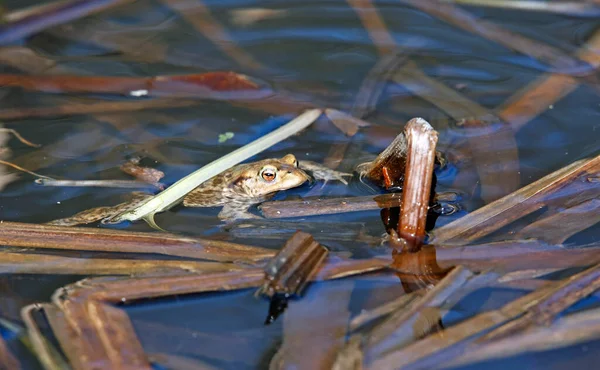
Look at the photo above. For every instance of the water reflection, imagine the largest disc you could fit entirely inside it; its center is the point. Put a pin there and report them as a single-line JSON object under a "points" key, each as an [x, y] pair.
{"points": [[418, 270]]}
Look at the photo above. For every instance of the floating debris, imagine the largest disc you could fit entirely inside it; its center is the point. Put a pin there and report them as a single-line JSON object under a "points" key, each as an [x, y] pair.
{"points": [[287, 274], [225, 136], [145, 174]]}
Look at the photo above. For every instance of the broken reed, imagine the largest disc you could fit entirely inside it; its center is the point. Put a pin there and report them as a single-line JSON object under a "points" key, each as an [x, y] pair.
{"points": [[420, 158]]}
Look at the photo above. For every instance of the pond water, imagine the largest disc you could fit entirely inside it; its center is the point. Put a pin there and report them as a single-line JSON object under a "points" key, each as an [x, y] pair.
{"points": [[319, 53]]}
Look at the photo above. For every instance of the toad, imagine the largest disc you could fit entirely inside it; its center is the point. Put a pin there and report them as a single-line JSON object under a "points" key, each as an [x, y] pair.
{"points": [[236, 190]]}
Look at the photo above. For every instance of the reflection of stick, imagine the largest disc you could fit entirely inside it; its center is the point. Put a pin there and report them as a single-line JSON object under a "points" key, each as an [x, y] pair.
{"points": [[93, 106], [198, 15], [34, 22], [493, 32], [422, 139], [544, 311]]}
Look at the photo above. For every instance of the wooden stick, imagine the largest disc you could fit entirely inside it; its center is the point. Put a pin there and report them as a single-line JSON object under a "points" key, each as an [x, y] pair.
{"points": [[20, 263], [289, 271], [334, 205], [104, 240], [327, 206], [422, 139]]}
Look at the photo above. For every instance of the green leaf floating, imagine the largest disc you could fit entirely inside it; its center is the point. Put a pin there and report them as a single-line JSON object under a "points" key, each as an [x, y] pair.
{"points": [[176, 192]]}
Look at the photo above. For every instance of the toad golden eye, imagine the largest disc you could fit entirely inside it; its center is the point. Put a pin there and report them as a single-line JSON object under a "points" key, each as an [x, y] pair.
{"points": [[268, 174]]}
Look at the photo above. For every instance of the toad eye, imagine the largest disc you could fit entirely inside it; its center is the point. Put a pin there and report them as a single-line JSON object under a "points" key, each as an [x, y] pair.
{"points": [[268, 174]]}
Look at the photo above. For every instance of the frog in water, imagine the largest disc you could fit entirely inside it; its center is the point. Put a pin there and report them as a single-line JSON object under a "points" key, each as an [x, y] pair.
{"points": [[245, 185], [236, 189]]}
